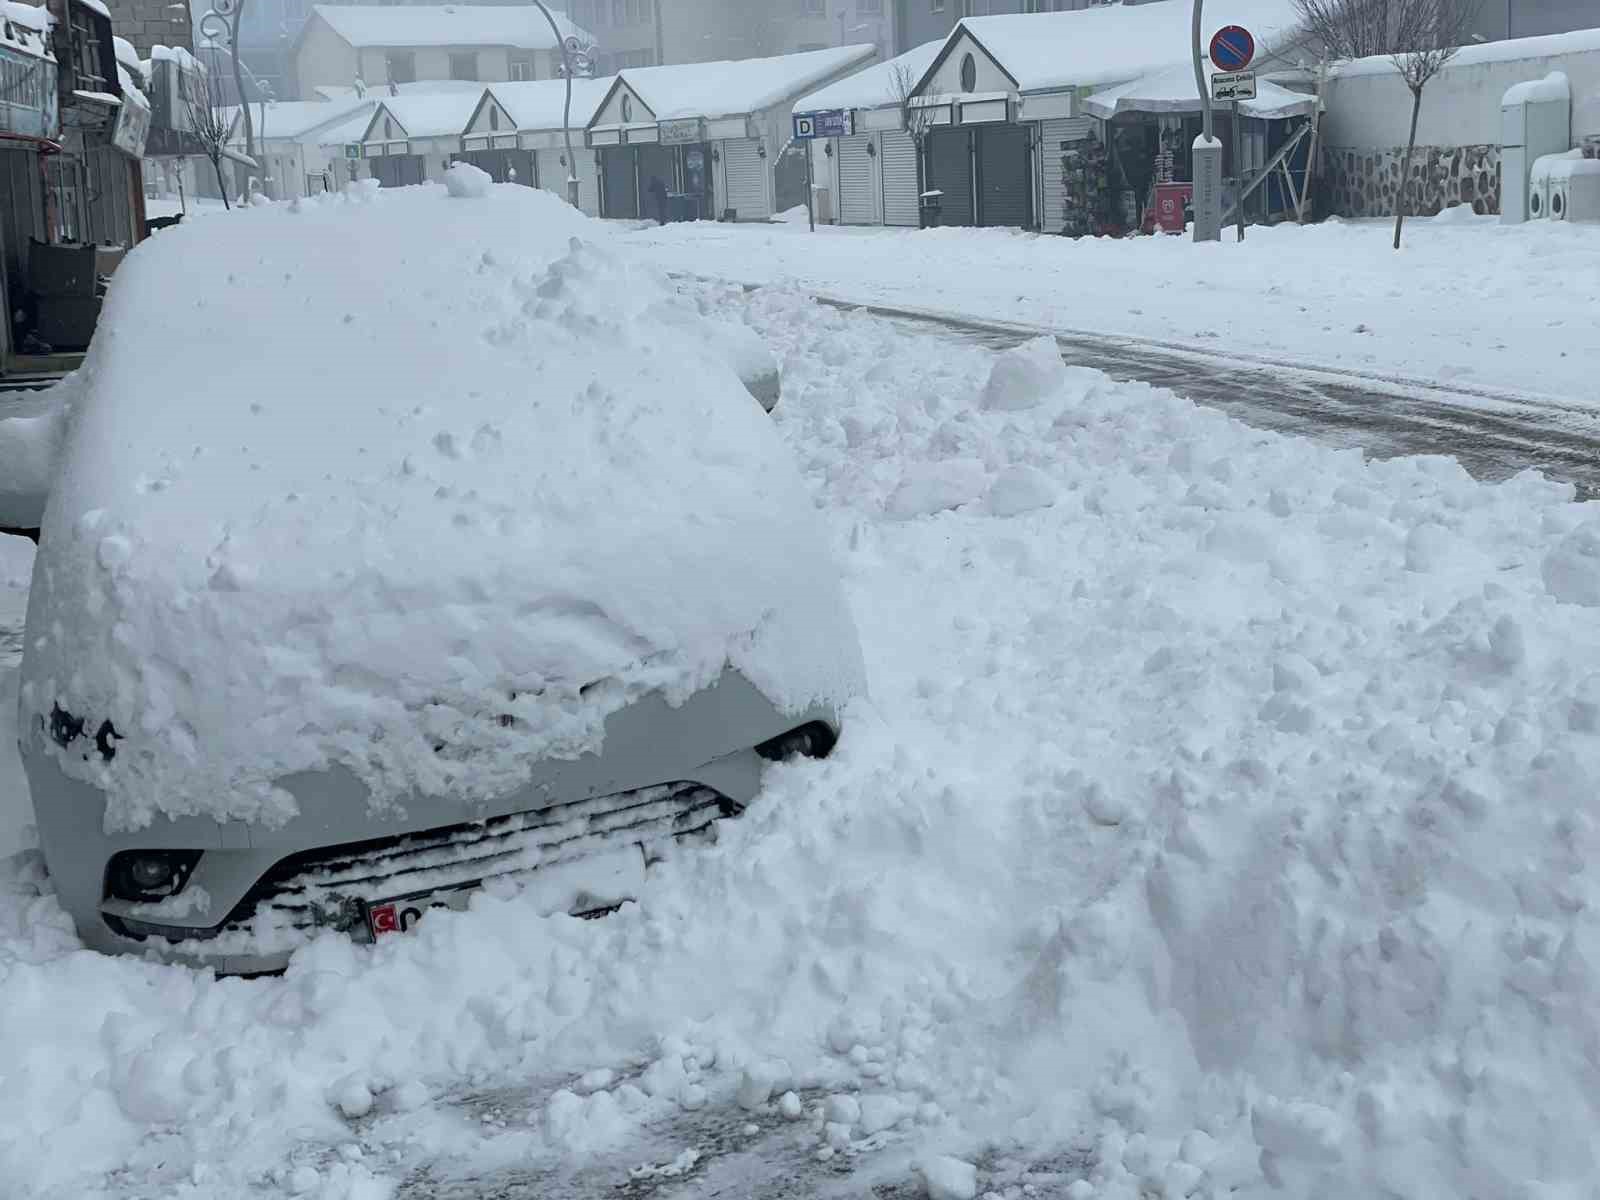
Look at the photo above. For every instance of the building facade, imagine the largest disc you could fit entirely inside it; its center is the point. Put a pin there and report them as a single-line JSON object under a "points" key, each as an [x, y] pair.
{"points": [[340, 44], [150, 23]]}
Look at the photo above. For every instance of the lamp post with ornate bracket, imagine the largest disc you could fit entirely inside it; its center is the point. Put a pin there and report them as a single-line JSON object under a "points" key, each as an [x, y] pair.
{"points": [[221, 23], [574, 57]]}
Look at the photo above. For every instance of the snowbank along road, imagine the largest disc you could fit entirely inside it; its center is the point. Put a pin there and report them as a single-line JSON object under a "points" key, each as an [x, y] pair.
{"points": [[1220, 825]]}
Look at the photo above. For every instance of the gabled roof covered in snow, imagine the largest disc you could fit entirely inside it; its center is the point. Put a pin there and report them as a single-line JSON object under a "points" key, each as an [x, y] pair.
{"points": [[1040, 52], [518, 25], [440, 115], [345, 132], [730, 89], [379, 91], [293, 119], [537, 104], [874, 87]]}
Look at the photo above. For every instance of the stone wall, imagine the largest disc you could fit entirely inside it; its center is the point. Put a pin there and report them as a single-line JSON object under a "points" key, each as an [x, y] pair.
{"points": [[1363, 183], [148, 23]]}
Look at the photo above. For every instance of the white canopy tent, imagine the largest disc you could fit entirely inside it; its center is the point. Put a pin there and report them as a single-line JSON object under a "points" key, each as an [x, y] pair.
{"points": [[1173, 91]]}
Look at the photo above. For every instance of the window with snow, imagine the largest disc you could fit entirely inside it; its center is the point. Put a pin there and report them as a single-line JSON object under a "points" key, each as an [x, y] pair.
{"points": [[522, 67], [464, 66], [402, 65]]}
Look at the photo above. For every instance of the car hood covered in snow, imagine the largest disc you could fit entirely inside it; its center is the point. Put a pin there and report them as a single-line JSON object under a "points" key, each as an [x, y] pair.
{"points": [[421, 471]]}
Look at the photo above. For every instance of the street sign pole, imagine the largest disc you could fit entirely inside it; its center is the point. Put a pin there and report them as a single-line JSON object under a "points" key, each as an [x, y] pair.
{"points": [[1207, 155], [811, 191], [1238, 172]]}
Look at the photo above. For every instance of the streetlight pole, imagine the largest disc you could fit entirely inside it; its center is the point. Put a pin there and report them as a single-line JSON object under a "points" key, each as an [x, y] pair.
{"points": [[569, 52], [222, 21]]}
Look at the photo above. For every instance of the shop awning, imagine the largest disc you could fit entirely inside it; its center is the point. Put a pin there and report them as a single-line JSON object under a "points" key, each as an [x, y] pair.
{"points": [[1172, 91]]}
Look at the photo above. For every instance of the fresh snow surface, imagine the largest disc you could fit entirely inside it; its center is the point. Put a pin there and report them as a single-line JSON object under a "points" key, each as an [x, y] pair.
{"points": [[1224, 828], [1116, 43], [525, 481], [30, 439], [1546, 46], [750, 85], [1334, 294]]}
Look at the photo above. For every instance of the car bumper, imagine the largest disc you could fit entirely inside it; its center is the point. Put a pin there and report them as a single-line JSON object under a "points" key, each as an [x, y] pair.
{"points": [[256, 894]]}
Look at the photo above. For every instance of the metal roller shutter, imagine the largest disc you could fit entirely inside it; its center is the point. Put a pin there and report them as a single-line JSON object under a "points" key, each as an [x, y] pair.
{"points": [[1052, 135], [898, 154], [619, 196], [748, 192], [950, 171], [858, 200], [1005, 177], [553, 178]]}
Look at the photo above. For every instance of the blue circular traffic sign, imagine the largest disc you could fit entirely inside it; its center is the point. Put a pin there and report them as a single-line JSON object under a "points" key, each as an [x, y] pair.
{"points": [[1232, 48]]}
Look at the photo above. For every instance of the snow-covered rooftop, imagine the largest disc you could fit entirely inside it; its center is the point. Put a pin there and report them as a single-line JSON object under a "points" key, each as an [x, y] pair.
{"points": [[295, 118], [343, 133], [538, 104], [1173, 91], [25, 27], [378, 91], [874, 87], [439, 115], [723, 89], [1114, 44], [519, 25]]}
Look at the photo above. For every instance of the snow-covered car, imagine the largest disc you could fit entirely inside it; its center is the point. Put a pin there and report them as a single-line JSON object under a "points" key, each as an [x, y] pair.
{"points": [[439, 547]]}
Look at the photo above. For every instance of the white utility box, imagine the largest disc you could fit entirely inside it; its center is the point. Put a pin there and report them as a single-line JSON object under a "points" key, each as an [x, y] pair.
{"points": [[1536, 120]]}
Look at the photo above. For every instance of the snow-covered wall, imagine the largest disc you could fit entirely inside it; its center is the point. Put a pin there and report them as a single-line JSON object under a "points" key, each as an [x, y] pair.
{"points": [[1458, 132], [1369, 106]]}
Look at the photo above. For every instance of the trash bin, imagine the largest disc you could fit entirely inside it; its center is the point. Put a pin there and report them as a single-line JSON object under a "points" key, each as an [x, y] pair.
{"points": [[683, 206], [932, 203]]}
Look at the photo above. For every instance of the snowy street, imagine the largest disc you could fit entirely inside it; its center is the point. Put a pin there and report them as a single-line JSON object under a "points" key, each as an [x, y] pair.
{"points": [[1217, 822]]}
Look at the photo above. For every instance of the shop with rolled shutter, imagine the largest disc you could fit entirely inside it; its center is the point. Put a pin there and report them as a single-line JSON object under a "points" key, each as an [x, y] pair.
{"points": [[747, 183], [856, 159], [897, 158]]}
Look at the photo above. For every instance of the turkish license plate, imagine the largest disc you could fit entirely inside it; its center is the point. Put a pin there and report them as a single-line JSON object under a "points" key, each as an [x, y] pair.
{"points": [[400, 914], [583, 885]]}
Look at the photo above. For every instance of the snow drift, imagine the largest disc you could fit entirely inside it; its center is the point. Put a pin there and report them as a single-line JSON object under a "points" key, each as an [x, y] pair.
{"points": [[430, 468]]}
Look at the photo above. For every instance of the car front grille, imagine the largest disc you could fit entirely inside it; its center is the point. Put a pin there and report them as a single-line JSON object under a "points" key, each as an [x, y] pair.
{"points": [[326, 887]]}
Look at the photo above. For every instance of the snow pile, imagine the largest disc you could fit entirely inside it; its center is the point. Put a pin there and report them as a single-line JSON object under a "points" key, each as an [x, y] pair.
{"points": [[492, 508], [1023, 377], [467, 182], [1223, 828], [30, 442], [1553, 86]]}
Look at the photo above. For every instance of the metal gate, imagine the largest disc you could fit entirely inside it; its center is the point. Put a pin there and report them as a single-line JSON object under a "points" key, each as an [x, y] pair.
{"points": [[858, 191], [898, 154], [397, 170], [1005, 177], [950, 171], [619, 183], [748, 192]]}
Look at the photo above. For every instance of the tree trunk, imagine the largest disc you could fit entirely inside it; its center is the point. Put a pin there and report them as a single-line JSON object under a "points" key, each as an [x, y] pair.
{"points": [[216, 165], [1405, 167]]}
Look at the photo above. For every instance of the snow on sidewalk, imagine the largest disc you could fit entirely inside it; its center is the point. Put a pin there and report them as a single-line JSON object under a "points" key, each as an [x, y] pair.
{"points": [[1222, 823], [1466, 303]]}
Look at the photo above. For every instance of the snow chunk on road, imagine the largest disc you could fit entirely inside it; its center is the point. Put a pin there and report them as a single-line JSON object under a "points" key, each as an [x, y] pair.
{"points": [[1020, 489], [1022, 377], [467, 182], [511, 466], [1572, 569], [948, 1178]]}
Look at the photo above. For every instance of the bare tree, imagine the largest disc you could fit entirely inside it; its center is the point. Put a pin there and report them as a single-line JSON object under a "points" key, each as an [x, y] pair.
{"points": [[210, 119], [1419, 36], [903, 87]]}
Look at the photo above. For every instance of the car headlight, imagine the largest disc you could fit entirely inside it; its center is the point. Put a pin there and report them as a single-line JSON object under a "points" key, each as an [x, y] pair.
{"points": [[813, 740], [150, 874]]}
